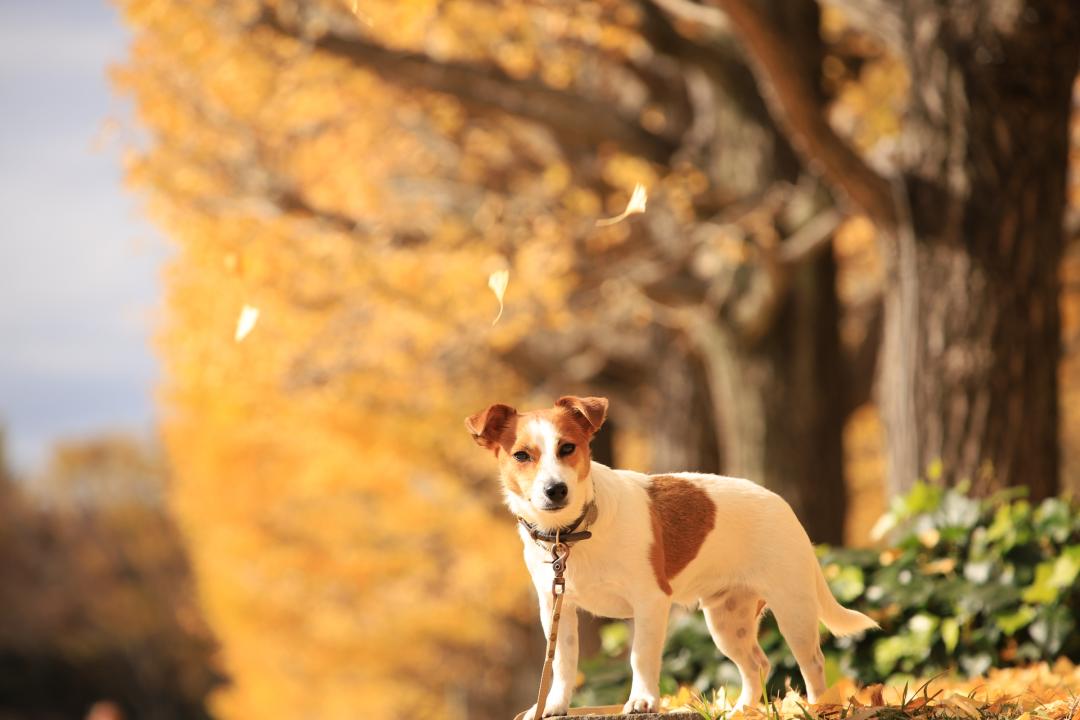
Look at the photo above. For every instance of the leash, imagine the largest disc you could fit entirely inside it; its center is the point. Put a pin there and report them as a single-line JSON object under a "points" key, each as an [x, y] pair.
{"points": [[560, 551]]}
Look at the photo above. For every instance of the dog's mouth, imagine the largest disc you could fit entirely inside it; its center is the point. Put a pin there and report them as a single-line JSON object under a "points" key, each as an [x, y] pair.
{"points": [[553, 507]]}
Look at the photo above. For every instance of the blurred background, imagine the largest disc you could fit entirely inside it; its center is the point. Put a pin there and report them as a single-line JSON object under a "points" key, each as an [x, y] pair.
{"points": [[857, 282]]}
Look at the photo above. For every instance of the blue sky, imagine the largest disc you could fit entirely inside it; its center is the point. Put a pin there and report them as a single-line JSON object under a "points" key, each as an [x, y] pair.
{"points": [[79, 266]]}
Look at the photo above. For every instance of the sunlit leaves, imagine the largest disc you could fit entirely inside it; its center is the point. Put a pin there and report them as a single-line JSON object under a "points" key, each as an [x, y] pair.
{"points": [[340, 521]]}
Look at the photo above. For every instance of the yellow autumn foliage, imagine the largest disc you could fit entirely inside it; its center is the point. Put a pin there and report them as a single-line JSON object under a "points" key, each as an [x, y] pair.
{"points": [[352, 555], [347, 535]]}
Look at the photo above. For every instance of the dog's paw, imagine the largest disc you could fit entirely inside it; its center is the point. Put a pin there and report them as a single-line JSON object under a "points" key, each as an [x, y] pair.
{"points": [[550, 710], [743, 704], [641, 704], [556, 709]]}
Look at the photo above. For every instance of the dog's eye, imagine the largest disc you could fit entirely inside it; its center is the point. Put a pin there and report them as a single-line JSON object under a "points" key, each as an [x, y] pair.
{"points": [[521, 456], [566, 448]]}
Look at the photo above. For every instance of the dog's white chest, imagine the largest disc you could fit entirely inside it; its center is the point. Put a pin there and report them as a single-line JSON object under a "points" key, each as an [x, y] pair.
{"points": [[600, 588], [601, 599]]}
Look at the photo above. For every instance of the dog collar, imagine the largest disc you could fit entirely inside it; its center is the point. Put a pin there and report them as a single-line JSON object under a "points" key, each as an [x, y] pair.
{"points": [[567, 534]]}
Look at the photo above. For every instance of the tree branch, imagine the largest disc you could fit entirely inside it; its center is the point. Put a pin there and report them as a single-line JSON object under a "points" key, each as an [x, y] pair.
{"points": [[718, 55], [590, 120], [795, 106], [690, 11], [879, 18], [813, 237]]}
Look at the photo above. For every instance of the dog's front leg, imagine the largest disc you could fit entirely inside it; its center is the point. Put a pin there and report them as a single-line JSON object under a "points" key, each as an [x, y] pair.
{"points": [[650, 629], [564, 668]]}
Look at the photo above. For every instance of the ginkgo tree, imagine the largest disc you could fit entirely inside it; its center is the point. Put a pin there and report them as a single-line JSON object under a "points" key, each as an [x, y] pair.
{"points": [[357, 171], [344, 529], [596, 104]]}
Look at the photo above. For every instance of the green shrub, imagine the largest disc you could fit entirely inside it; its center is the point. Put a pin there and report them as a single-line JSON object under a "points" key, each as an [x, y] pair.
{"points": [[962, 586]]}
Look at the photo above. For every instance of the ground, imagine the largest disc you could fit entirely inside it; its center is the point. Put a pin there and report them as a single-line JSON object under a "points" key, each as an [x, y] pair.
{"points": [[1037, 692]]}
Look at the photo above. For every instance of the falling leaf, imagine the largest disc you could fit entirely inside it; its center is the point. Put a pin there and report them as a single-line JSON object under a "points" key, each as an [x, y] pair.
{"points": [[636, 206], [249, 315], [498, 281]]}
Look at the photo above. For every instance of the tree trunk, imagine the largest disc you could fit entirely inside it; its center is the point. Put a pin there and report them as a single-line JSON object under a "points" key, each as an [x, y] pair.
{"points": [[781, 401], [972, 336], [778, 394], [685, 436]]}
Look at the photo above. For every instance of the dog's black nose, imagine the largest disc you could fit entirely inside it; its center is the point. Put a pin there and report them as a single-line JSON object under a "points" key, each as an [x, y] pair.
{"points": [[556, 491]]}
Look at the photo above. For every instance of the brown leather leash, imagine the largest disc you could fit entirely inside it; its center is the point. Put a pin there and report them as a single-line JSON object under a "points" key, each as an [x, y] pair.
{"points": [[560, 551]]}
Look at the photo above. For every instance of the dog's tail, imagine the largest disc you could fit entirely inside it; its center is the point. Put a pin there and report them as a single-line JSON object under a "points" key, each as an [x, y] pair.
{"points": [[836, 617]]}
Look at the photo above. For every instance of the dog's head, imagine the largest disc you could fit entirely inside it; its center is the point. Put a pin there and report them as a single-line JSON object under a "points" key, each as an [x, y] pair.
{"points": [[543, 456]]}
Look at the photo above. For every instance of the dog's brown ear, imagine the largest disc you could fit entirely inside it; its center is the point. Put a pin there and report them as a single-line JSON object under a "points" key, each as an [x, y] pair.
{"points": [[489, 426], [589, 411]]}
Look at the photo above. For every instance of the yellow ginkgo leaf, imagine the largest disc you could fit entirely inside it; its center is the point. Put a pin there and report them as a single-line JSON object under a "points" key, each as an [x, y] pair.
{"points": [[249, 315], [498, 281], [965, 705], [636, 206]]}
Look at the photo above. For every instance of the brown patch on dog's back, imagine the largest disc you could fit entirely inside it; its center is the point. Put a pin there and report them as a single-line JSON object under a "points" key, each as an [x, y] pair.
{"points": [[682, 515]]}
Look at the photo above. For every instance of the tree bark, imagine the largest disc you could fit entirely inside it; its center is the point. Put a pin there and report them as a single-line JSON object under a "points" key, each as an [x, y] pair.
{"points": [[685, 436], [782, 403], [974, 231], [972, 322], [777, 394]]}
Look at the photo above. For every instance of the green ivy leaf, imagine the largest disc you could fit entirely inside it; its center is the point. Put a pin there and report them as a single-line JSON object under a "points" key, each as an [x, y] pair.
{"points": [[977, 664], [1053, 576], [888, 652], [1052, 628], [923, 498], [1011, 622], [848, 584], [1054, 519], [923, 626], [615, 637], [950, 633], [833, 671]]}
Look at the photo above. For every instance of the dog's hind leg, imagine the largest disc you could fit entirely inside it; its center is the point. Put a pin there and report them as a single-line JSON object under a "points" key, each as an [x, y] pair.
{"points": [[732, 619], [797, 616]]}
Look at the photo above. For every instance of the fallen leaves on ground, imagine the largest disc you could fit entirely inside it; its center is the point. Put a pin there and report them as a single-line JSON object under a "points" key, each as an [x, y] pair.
{"points": [[1035, 692]]}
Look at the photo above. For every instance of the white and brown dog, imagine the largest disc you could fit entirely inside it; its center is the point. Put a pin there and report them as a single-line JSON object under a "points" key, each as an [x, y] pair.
{"points": [[728, 544]]}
